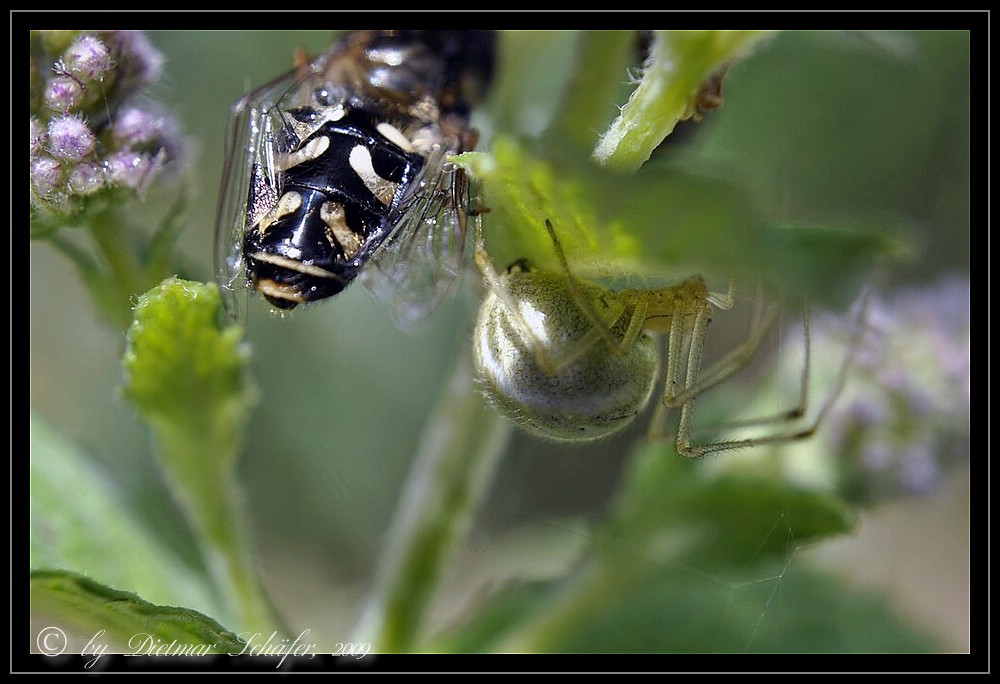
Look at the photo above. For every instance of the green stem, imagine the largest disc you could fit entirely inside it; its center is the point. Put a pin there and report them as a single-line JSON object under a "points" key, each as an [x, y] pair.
{"points": [[679, 63], [454, 465], [116, 248], [211, 498], [104, 291]]}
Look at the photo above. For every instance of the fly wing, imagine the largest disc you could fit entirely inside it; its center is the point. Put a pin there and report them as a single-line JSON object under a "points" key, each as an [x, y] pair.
{"points": [[250, 181], [419, 264]]}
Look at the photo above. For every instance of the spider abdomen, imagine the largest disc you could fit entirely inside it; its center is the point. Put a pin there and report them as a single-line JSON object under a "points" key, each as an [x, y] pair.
{"points": [[587, 396]]}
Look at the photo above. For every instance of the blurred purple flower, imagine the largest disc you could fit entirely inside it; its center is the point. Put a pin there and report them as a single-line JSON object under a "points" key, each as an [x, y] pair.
{"points": [[903, 418]]}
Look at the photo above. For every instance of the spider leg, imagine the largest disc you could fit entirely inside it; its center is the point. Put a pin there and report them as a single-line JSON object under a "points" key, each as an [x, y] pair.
{"points": [[733, 362]]}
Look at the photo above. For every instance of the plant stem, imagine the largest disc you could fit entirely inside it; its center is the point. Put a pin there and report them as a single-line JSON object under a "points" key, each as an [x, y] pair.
{"points": [[115, 245], [679, 63], [456, 461], [211, 498]]}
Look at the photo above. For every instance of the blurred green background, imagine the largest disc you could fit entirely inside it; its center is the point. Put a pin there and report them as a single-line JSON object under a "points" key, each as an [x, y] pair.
{"points": [[831, 127]]}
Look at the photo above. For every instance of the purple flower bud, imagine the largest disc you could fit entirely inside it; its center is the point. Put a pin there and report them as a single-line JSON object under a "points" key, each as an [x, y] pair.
{"points": [[132, 169], [88, 58], [87, 135], [134, 126], [144, 62], [122, 166], [867, 411], [63, 93], [922, 401], [45, 175], [69, 138], [37, 138], [86, 178], [171, 141]]}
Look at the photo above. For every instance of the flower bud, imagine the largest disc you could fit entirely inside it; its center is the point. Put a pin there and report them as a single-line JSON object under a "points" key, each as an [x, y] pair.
{"points": [[904, 417], [134, 126], [46, 175], [132, 169], [86, 178], [37, 138], [69, 138], [88, 58], [63, 93]]}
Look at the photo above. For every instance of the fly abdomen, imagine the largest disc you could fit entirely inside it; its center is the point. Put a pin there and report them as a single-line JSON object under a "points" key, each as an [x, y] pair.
{"points": [[309, 253], [342, 191]]}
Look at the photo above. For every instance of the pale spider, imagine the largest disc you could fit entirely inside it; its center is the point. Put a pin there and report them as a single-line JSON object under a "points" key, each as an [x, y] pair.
{"points": [[569, 359]]}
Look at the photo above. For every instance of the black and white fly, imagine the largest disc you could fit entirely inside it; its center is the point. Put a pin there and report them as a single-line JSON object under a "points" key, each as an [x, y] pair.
{"points": [[339, 169]]}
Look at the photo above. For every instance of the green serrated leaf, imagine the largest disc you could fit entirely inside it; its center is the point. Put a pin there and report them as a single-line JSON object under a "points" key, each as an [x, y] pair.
{"points": [[95, 534], [185, 373], [661, 223], [122, 615], [188, 376]]}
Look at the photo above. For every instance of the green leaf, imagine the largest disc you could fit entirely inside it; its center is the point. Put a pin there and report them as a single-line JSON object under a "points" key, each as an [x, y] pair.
{"points": [[188, 376], [780, 606], [776, 608], [679, 63], [827, 130], [671, 508], [676, 522], [87, 604], [828, 263], [662, 223], [499, 616], [664, 219], [772, 608], [96, 534]]}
